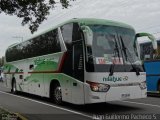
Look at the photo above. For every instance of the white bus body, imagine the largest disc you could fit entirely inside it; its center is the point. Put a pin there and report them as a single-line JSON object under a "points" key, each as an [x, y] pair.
{"points": [[65, 63]]}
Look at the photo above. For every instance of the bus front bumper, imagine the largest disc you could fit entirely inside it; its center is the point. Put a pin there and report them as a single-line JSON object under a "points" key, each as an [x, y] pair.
{"points": [[116, 93]]}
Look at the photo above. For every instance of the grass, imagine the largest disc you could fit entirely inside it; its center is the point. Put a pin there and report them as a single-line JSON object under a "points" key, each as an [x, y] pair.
{"points": [[6, 115]]}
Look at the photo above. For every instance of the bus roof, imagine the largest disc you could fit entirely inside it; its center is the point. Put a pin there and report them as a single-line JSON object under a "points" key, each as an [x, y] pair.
{"points": [[90, 21], [86, 21], [93, 21]]}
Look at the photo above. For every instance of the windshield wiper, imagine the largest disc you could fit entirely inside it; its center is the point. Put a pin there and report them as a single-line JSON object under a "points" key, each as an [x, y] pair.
{"points": [[116, 52], [126, 57], [124, 49]]}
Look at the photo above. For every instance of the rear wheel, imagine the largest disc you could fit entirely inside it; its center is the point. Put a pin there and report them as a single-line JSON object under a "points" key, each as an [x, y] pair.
{"points": [[56, 94], [14, 88]]}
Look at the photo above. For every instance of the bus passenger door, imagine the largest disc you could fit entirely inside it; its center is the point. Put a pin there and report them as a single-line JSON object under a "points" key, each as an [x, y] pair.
{"points": [[78, 74], [73, 64]]}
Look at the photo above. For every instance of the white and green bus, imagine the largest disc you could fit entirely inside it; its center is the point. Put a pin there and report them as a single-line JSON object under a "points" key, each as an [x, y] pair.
{"points": [[80, 61]]}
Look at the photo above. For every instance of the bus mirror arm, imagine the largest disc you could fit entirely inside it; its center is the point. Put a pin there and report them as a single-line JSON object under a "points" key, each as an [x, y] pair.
{"points": [[150, 36]]}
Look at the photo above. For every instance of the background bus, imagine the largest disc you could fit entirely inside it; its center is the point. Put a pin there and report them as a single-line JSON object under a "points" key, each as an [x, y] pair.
{"points": [[152, 66], [81, 61]]}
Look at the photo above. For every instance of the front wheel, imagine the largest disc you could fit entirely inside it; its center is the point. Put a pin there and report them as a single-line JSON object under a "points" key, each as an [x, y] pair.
{"points": [[56, 95]]}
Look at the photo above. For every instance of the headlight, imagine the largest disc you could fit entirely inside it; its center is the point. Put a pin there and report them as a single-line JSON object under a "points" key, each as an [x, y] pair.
{"points": [[143, 85], [98, 87]]}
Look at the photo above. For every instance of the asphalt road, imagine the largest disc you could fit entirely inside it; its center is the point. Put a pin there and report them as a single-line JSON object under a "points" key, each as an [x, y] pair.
{"points": [[38, 108]]}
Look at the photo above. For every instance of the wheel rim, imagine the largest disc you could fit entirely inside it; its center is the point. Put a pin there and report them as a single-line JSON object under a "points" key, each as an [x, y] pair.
{"points": [[57, 94]]}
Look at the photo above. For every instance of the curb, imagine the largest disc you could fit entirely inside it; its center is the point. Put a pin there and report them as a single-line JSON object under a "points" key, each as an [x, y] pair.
{"points": [[21, 116], [18, 115]]}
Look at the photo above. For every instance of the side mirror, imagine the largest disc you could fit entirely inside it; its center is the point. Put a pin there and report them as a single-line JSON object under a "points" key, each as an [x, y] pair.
{"points": [[150, 36], [88, 34]]}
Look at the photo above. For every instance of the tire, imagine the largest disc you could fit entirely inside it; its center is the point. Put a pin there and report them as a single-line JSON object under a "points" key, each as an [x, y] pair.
{"points": [[56, 94], [14, 88]]}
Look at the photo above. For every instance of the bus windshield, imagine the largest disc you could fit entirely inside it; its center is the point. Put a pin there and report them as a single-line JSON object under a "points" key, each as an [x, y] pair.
{"points": [[111, 45]]}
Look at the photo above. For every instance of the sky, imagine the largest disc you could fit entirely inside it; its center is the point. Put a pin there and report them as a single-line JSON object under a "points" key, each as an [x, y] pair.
{"points": [[143, 15]]}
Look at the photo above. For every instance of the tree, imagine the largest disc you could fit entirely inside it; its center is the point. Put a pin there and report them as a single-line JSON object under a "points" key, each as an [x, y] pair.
{"points": [[32, 12]]}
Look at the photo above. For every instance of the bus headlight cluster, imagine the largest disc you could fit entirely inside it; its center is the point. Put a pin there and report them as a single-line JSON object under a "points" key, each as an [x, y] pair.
{"points": [[98, 87], [143, 85]]}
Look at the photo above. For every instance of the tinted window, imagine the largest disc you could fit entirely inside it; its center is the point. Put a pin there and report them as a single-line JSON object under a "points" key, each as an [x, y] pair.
{"points": [[77, 35], [146, 51], [74, 61], [67, 31], [44, 44]]}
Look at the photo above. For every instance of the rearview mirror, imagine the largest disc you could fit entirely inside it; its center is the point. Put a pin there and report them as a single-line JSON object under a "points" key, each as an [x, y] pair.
{"points": [[150, 36], [88, 34]]}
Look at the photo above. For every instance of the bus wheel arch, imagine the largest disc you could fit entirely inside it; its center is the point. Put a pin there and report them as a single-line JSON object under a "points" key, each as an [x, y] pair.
{"points": [[13, 86], [55, 92]]}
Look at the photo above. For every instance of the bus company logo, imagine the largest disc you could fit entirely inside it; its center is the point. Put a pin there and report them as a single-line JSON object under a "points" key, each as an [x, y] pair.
{"points": [[115, 79], [39, 61]]}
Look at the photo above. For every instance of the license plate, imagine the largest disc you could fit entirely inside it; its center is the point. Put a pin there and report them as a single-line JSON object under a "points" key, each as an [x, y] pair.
{"points": [[125, 96]]}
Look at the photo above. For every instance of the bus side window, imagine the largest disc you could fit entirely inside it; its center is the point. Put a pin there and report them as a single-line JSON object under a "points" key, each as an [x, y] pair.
{"points": [[146, 51], [67, 35], [73, 64], [67, 38], [76, 33]]}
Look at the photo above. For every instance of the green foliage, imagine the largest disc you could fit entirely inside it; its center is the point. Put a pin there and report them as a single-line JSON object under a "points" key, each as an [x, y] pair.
{"points": [[32, 12]]}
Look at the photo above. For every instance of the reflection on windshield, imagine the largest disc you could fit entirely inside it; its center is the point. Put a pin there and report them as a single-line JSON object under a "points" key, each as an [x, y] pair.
{"points": [[105, 47]]}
